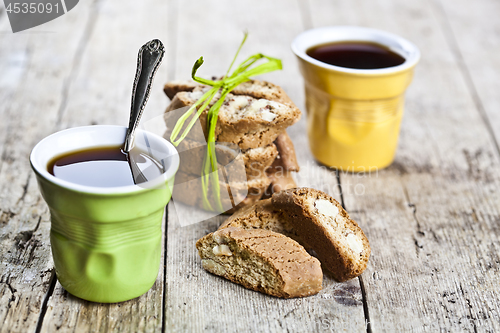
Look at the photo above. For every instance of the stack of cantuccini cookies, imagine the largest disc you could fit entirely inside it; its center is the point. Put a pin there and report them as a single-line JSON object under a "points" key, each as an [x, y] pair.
{"points": [[263, 246], [252, 119]]}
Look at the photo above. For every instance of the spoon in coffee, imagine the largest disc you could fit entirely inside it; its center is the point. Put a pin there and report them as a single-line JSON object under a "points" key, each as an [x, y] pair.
{"points": [[148, 60]]}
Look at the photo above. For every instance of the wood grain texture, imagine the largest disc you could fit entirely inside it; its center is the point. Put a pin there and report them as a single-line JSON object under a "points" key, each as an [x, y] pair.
{"points": [[67, 313], [39, 62], [199, 301], [476, 47], [196, 300], [99, 92], [432, 216]]}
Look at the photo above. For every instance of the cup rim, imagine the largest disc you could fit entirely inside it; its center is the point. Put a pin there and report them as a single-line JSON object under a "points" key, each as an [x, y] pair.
{"points": [[323, 35], [42, 171]]}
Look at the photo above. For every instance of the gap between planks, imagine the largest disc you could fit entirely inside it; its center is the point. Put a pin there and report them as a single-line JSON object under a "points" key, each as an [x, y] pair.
{"points": [[366, 311], [82, 44], [171, 64], [89, 27], [164, 295], [43, 309], [306, 15], [471, 87]]}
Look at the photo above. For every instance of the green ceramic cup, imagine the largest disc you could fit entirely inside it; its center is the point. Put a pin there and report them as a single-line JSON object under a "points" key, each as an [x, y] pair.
{"points": [[106, 241]]}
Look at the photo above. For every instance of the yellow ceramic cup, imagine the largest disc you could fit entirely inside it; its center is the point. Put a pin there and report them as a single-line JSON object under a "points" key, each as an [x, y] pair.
{"points": [[353, 115]]}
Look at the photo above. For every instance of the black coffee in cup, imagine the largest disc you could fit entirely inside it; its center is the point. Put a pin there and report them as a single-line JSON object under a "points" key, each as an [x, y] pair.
{"points": [[355, 54], [103, 167]]}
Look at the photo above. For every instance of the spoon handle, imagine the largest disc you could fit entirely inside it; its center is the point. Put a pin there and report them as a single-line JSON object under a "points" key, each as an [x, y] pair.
{"points": [[148, 61]]}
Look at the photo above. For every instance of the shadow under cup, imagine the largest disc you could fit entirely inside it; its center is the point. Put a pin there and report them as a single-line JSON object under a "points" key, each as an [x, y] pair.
{"points": [[106, 241], [354, 115]]}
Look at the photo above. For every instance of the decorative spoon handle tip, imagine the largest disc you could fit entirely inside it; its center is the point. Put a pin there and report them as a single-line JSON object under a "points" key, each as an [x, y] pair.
{"points": [[148, 60]]}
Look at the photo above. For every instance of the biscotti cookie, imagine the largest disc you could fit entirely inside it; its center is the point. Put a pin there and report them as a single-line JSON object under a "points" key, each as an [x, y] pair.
{"points": [[280, 172], [261, 260], [263, 89], [280, 180], [254, 160], [286, 160], [243, 120], [258, 160], [234, 196], [263, 215], [173, 87], [254, 88], [338, 241]]}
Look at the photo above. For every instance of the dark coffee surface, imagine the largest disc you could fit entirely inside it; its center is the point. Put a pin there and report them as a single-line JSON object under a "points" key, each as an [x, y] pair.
{"points": [[358, 55], [102, 167]]}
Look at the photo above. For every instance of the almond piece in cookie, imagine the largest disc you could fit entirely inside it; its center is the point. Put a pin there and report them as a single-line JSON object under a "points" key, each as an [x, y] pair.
{"points": [[320, 220], [261, 260], [243, 120]]}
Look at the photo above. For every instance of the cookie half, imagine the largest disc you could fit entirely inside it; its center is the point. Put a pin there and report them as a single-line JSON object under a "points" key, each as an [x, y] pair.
{"points": [[261, 260], [320, 220], [263, 215]]}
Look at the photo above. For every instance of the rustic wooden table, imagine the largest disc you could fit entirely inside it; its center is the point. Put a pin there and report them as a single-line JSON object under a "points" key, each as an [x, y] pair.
{"points": [[432, 217]]}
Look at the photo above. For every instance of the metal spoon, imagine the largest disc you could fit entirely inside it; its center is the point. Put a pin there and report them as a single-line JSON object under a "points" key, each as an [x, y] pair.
{"points": [[148, 60]]}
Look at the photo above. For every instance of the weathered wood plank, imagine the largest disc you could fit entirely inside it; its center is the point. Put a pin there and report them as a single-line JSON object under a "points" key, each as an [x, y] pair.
{"points": [[99, 93], [101, 88], [472, 34], [67, 313], [14, 63], [32, 87], [196, 300], [432, 216]]}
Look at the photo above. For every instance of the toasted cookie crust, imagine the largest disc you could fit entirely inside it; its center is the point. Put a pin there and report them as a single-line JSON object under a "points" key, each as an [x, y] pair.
{"points": [[338, 241], [243, 120], [254, 88], [287, 159], [263, 215], [261, 260]]}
